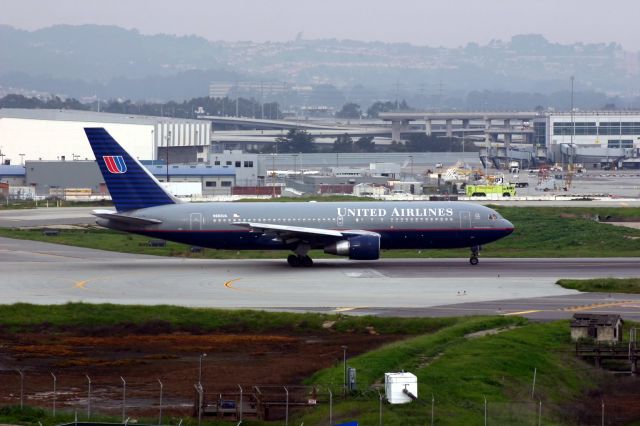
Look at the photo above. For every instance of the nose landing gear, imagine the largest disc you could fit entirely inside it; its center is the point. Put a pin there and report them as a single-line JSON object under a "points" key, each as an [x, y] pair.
{"points": [[475, 250]]}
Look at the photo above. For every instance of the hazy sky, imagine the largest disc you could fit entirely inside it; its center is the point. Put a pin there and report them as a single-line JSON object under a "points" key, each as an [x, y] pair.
{"points": [[423, 22]]}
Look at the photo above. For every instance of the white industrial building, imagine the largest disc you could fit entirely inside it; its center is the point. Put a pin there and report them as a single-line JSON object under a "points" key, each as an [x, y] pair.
{"points": [[40, 134], [594, 138]]}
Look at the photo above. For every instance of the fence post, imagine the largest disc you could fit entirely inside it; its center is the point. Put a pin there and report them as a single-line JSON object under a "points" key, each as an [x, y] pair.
{"points": [[160, 414], [533, 388], [124, 398], [603, 412], [21, 388], [380, 407], [199, 390], [540, 412], [286, 413], [330, 407], [88, 397], [240, 402], [54, 393], [433, 401], [485, 410]]}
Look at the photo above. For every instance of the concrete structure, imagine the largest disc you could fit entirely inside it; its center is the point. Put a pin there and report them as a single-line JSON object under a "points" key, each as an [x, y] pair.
{"points": [[249, 171], [601, 328], [215, 180], [12, 175], [46, 177], [50, 177], [37, 134]]}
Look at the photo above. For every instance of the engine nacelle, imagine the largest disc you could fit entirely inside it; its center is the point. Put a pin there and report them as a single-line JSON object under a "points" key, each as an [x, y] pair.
{"points": [[360, 247]]}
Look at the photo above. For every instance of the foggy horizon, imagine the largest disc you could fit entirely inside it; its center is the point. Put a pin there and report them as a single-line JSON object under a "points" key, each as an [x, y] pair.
{"points": [[418, 23]]}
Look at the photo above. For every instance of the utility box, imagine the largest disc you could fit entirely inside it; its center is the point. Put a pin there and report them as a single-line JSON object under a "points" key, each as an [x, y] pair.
{"points": [[395, 385], [351, 378]]}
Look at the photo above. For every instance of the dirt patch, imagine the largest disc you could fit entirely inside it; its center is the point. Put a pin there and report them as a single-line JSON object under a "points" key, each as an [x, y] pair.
{"points": [[142, 355]]}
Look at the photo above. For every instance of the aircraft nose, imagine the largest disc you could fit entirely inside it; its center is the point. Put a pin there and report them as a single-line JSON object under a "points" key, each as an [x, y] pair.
{"points": [[508, 226]]}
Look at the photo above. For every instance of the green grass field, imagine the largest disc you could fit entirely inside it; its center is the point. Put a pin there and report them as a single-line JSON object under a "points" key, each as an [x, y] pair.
{"points": [[605, 285], [540, 232]]}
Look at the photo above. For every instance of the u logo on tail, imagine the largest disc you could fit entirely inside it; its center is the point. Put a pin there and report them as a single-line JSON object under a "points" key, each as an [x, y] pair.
{"points": [[115, 164]]}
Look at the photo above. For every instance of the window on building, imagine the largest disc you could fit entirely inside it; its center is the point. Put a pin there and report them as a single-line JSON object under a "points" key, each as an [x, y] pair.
{"points": [[216, 163], [226, 183], [228, 163], [248, 163], [238, 164], [211, 184], [200, 149]]}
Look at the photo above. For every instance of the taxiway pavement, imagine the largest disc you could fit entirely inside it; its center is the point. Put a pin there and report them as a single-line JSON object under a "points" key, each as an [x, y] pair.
{"points": [[44, 273]]}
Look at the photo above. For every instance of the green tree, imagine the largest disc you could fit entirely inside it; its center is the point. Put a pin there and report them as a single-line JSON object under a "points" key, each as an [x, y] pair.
{"points": [[349, 110], [296, 140], [343, 143], [374, 110], [365, 144]]}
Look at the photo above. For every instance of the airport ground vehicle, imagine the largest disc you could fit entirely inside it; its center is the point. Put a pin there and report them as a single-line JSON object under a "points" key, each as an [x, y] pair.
{"points": [[504, 189]]}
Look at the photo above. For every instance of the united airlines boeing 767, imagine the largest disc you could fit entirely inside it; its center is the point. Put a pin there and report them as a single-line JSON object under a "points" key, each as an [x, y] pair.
{"points": [[357, 230]]}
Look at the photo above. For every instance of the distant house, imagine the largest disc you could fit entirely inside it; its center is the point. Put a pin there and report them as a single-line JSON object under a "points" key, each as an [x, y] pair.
{"points": [[601, 328]]}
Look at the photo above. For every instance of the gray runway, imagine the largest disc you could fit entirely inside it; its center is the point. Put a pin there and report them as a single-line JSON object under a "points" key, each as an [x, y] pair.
{"points": [[45, 273]]}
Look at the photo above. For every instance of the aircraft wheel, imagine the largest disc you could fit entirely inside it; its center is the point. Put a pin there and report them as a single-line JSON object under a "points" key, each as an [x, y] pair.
{"points": [[473, 260], [306, 261], [293, 260]]}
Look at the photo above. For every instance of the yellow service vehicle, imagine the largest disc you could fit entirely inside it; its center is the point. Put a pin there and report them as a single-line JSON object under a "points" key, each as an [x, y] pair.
{"points": [[504, 189]]}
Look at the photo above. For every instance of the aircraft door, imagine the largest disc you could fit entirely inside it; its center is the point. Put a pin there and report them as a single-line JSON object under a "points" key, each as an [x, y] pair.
{"points": [[465, 220], [195, 221], [340, 221]]}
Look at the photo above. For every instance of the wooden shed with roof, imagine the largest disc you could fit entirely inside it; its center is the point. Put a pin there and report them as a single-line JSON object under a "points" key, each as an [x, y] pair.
{"points": [[599, 327]]}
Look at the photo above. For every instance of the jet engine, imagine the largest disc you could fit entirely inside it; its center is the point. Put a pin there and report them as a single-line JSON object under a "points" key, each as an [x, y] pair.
{"points": [[360, 247]]}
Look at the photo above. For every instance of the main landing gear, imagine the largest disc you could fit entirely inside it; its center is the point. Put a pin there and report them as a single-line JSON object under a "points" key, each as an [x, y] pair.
{"points": [[475, 250], [300, 258], [295, 260]]}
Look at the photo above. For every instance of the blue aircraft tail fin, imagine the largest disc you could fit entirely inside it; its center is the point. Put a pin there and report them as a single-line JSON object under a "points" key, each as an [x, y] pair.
{"points": [[130, 184]]}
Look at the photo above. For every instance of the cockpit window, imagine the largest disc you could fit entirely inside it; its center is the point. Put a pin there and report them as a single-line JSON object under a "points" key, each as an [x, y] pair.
{"points": [[493, 216]]}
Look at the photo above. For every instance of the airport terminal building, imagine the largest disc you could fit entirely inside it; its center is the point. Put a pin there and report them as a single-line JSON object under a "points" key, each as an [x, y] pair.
{"points": [[596, 139]]}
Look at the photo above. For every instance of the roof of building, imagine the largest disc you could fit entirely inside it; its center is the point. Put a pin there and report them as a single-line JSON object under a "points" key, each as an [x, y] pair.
{"points": [[589, 320], [180, 170], [87, 116], [12, 170]]}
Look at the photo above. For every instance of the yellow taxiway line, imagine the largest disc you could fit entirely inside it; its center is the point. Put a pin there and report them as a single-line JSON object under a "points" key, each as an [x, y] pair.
{"points": [[81, 284]]}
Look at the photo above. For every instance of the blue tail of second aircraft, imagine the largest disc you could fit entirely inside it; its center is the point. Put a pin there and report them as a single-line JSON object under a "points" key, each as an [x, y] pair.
{"points": [[131, 185]]}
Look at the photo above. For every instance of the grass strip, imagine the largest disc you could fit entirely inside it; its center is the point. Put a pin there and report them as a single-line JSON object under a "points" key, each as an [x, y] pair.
{"points": [[604, 285], [164, 318]]}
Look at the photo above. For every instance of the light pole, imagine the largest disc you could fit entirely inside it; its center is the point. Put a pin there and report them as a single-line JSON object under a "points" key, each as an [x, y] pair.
{"points": [[167, 153], [573, 125], [200, 369], [411, 161]]}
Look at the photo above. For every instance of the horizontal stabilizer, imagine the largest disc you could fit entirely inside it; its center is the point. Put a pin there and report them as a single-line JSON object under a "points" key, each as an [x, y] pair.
{"points": [[122, 218]]}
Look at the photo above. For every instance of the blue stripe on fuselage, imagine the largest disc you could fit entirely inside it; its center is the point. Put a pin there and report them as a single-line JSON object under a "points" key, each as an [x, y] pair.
{"points": [[390, 239]]}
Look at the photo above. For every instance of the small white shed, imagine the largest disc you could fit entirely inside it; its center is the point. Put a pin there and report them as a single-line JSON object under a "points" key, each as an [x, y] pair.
{"points": [[395, 385]]}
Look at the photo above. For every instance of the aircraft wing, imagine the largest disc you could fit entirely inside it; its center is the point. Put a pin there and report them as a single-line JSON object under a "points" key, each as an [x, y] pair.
{"points": [[130, 220], [290, 234]]}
